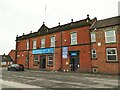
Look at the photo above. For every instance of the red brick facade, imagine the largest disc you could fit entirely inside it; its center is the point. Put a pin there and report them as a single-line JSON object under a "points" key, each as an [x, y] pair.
{"points": [[78, 56], [100, 63]]}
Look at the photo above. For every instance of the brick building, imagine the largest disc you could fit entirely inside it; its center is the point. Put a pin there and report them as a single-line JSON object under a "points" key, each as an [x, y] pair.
{"points": [[64, 47], [77, 46], [105, 45], [12, 54], [5, 60]]}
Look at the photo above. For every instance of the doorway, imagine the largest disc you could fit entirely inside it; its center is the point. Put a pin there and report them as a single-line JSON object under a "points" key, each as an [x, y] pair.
{"points": [[43, 62], [74, 63], [74, 60]]}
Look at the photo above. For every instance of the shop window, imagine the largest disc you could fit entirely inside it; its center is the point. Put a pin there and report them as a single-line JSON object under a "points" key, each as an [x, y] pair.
{"points": [[50, 60], [34, 44], [94, 54], [93, 37], [73, 38], [52, 39], [35, 59], [111, 54], [43, 43], [110, 36]]}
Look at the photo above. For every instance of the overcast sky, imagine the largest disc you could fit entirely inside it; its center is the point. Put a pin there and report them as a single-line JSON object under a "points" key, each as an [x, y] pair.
{"points": [[23, 16]]}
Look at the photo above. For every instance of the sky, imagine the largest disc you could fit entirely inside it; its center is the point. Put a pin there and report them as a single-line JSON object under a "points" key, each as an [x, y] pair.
{"points": [[22, 16]]}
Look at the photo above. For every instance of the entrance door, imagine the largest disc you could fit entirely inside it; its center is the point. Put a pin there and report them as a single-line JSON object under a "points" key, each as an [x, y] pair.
{"points": [[74, 60], [43, 62], [74, 63]]}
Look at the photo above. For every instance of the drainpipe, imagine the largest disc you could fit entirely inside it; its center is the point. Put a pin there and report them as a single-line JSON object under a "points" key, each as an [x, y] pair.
{"points": [[28, 54], [16, 49]]}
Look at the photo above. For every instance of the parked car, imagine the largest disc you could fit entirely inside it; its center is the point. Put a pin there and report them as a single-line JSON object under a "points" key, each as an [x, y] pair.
{"points": [[15, 67]]}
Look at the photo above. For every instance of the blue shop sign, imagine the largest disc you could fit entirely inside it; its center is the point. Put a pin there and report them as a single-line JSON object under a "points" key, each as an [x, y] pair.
{"points": [[43, 51], [73, 53]]}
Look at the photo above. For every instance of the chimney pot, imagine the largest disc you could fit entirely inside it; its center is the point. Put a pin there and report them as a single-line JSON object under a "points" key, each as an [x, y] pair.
{"points": [[71, 20], [59, 23]]}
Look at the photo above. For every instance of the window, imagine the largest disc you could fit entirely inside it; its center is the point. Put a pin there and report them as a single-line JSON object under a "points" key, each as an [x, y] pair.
{"points": [[73, 38], [110, 36], [50, 60], [26, 62], [27, 46], [111, 54], [34, 44], [43, 43], [52, 41], [35, 59], [3, 63], [94, 55], [93, 37]]}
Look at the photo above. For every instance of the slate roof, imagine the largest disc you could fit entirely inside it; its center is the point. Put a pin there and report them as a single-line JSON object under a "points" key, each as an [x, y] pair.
{"points": [[5, 58], [45, 30], [106, 22]]}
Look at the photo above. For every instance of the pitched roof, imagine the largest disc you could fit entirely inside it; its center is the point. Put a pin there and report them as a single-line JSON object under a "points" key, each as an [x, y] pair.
{"points": [[45, 30], [106, 22], [5, 58]]}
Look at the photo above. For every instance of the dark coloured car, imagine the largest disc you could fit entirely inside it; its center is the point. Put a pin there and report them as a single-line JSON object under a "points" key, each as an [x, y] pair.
{"points": [[16, 67]]}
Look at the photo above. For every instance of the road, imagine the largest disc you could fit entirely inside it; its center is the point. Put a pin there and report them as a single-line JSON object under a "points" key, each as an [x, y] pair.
{"points": [[48, 79]]}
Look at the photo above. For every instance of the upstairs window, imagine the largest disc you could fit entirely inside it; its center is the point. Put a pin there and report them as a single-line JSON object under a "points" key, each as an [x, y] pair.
{"points": [[73, 38], [27, 45], [110, 36], [43, 43], [93, 37], [111, 54], [34, 44], [52, 39], [94, 55]]}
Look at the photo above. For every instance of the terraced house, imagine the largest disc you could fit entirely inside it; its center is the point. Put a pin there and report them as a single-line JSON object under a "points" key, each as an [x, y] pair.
{"points": [[105, 45], [87, 45]]}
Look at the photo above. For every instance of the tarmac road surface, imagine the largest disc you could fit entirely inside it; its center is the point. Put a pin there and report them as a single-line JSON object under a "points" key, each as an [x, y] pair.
{"points": [[48, 79]]}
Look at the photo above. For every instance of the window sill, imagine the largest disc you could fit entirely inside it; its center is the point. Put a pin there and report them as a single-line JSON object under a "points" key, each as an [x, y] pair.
{"points": [[73, 44], [35, 64], [111, 43], [94, 58], [50, 65], [112, 61]]}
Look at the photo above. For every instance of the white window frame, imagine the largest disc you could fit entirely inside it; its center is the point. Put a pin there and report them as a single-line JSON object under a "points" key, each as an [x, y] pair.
{"points": [[35, 60], [92, 53], [106, 37], [34, 44], [52, 41], [3, 63], [111, 54], [43, 43], [27, 45], [49, 60], [73, 39], [93, 37]]}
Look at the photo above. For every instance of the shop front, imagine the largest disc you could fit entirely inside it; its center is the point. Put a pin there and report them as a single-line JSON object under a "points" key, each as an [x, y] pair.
{"points": [[44, 54]]}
